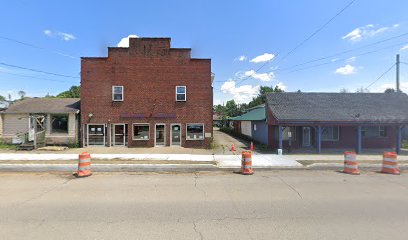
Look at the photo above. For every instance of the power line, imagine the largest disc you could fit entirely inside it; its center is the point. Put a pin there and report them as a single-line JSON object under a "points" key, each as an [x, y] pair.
{"points": [[302, 42], [382, 75], [40, 48], [342, 52], [34, 77], [357, 55], [36, 70], [317, 31]]}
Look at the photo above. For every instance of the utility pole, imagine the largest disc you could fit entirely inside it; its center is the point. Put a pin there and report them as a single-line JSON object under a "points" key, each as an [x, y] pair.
{"points": [[397, 73]]}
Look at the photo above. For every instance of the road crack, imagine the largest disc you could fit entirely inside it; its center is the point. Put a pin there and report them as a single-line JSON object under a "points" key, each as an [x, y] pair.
{"points": [[291, 187], [47, 191], [195, 184], [197, 231]]}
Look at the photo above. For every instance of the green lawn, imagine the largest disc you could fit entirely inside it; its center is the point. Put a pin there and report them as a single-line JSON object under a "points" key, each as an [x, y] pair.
{"points": [[7, 146]]}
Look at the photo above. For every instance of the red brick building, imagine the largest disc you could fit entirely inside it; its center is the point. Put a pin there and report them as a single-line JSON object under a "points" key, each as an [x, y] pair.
{"points": [[147, 95]]}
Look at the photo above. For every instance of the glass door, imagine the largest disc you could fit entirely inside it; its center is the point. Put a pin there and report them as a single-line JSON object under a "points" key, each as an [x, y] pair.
{"points": [[119, 133], [175, 135], [96, 135], [160, 135]]}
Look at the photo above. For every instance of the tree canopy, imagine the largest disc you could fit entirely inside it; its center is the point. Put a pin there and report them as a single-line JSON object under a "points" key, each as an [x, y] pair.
{"points": [[73, 92], [232, 109]]}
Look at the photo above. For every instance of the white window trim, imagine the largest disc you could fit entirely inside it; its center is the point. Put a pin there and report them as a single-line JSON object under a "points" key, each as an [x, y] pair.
{"points": [[113, 94], [133, 131], [165, 134], [112, 134], [331, 140], [171, 134], [104, 134], [185, 94], [198, 138], [50, 121]]}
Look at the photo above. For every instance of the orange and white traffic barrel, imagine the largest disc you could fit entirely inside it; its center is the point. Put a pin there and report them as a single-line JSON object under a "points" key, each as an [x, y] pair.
{"points": [[84, 165], [350, 163], [246, 163], [390, 163]]}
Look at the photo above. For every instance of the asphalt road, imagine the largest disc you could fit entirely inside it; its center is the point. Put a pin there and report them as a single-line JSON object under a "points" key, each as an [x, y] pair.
{"points": [[291, 204]]}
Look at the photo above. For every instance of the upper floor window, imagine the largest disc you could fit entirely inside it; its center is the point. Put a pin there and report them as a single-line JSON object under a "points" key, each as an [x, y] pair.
{"points": [[181, 93], [117, 93]]}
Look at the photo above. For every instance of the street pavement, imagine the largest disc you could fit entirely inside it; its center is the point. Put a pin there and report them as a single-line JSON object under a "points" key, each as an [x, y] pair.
{"points": [[278, 204]]}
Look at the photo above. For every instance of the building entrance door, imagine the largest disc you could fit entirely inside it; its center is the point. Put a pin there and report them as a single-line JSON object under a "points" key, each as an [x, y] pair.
{"points": [[160, 135], [306, 136], [175, 133], [119, 135], [96, 135]]}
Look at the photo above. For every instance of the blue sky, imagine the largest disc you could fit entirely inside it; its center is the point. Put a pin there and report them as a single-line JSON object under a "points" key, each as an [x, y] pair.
{"points": [[239, 36]]}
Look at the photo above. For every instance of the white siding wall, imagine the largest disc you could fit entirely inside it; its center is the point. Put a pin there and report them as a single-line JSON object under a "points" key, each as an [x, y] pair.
{"points": [[62, 138], [246, 128], [14, 124]]}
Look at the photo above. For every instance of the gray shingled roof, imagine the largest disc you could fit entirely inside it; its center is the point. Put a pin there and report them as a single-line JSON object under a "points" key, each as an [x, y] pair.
{"points": [[341, 107], [45, 105]]}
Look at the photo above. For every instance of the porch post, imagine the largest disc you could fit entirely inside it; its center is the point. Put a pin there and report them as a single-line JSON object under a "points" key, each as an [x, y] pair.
{"points": [[398, 144], [359, 139], [318, 139], [280, 137]]}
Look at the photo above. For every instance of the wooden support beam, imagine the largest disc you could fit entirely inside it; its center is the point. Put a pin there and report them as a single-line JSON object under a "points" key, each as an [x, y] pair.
{"points": [[319, 139], [280, 137], [398, 140], [358, 150]]}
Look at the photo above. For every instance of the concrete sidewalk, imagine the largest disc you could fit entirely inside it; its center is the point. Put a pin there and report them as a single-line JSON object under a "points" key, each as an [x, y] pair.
{"points": [[146, 161]]}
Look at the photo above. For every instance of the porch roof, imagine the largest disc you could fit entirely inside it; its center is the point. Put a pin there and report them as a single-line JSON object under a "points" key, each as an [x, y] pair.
{"points": [[254, 114], [45, 105], [348, 108]]}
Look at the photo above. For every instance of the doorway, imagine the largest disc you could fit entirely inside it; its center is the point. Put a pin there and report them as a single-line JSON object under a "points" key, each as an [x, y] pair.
{"points": [[306, 136], [160, 135], [119, 134], [175, 135], [96, 135]]}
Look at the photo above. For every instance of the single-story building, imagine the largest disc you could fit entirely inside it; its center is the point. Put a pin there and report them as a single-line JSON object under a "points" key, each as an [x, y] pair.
{"points": [[336, 120], [58, 118], [3, 106], [253, 124]]}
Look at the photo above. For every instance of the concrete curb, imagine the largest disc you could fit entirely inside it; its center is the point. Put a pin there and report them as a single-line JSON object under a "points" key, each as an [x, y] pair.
{"points": [[339, 167]]}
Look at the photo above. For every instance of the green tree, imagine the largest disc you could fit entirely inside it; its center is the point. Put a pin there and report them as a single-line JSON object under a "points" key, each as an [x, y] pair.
{"points": [[21, 94], [261, 98], [231, 109], [2, 98], [389, 90], [73, 92]]}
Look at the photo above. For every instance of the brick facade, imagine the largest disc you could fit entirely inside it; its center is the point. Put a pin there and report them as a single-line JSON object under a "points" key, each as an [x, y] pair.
{"points": [[149, 71]]}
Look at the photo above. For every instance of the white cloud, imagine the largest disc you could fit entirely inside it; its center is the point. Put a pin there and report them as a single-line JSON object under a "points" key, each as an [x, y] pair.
{"points": [[404, 48], [366, 31], [265, 77], [64, 36], [263, 58], [241, 58], [281, 86], [383, 87], [241, 94], [124, 42], [48, 32], [217, 101], [351, 59], [335, 59], [346, 70]]}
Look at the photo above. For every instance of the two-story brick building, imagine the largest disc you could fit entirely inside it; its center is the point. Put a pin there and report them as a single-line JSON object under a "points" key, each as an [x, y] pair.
{"points": [[147, 95]]}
